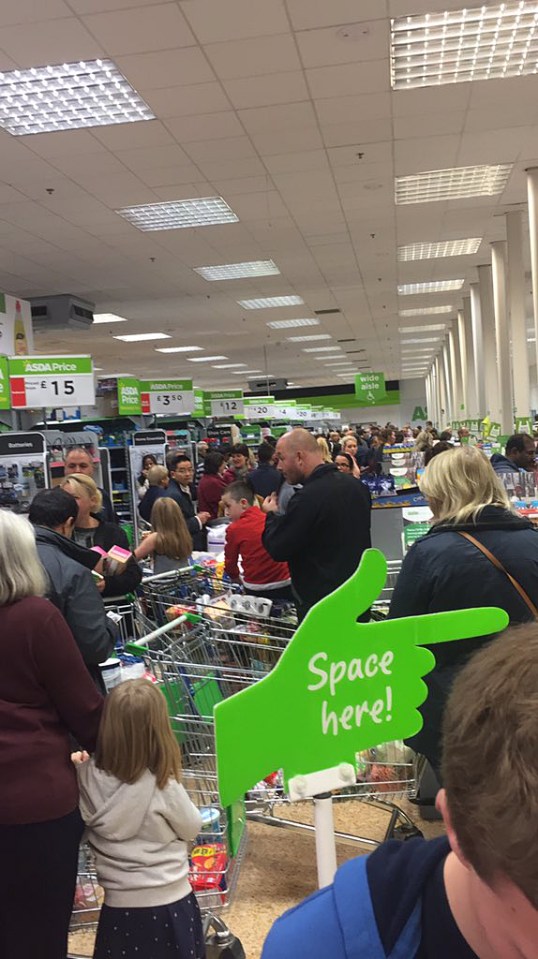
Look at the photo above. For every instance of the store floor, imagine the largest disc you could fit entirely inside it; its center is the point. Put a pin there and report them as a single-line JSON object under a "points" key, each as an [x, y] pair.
{"points": [[280, 869]]}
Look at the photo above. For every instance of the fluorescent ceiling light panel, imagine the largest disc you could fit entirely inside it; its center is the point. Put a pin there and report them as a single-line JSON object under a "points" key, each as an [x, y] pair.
{"points": [[426, 339], [246, 372], [292, 324], [178, 349], [309, 339], [482, 43], [432, 286], [141, 337], [179, 214], [453, 184], [236, 271], [68, 96], [432, 328], [268, 302], [321, 349], [414, 350], [426, 311], [228, 366], [205, 359], [108, 318], [433, 251]]}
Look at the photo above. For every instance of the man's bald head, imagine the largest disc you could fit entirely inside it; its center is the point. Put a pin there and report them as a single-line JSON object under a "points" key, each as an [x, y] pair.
{"points": [[298, 455]]}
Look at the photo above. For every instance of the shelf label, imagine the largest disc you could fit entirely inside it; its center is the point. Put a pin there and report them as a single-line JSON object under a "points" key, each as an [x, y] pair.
{"points": [[51, 381], [167, 396], [224, 403], [129, 396], [5, 402], [259, 407]]}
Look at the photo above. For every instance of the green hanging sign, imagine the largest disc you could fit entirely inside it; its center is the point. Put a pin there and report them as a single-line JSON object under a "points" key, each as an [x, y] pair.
{"points": [[340, 686], [370, 388], [5, 397], [199, 405], [129, 403], [524, 425]]}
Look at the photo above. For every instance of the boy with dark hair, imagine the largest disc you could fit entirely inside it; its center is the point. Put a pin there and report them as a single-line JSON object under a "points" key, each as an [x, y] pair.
{"points": [[473, 894], [261, 575]]}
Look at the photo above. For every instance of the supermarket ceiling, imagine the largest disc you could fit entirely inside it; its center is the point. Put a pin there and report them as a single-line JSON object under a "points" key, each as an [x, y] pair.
{"points": [[286, 110]]}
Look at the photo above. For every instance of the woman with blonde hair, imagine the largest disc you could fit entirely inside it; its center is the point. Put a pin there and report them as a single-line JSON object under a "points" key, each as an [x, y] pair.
{"points": [[46, 693], [324, 447], [478, 552], [170, 543], [90, 530]]}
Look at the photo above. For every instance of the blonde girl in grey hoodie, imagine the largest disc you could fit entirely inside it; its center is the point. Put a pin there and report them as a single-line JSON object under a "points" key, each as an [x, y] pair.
{"points": [[139, 820]]}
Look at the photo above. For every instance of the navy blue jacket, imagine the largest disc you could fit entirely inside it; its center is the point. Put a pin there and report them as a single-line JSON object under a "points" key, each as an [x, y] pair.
{"points": [[501, 464], [373, 910], [265, 479], [145, 505], [443, 571]]}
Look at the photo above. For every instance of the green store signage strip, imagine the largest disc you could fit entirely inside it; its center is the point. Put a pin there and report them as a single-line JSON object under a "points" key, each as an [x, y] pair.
{"points": [[5, 401], [167, 396], [38, 382], [224, 403]]}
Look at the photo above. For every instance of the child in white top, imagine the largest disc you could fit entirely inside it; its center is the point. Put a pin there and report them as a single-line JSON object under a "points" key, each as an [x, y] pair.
{"points": [[139, 820]]}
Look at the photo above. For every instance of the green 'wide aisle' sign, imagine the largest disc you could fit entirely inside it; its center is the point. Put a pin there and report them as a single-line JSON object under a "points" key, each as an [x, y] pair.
{"points": [[340, 687], [370, 389]]}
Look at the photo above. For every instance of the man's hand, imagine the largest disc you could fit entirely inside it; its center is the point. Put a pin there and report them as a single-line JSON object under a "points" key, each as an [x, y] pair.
{"points": [[270, 504], [101, 584], [203, 517]]}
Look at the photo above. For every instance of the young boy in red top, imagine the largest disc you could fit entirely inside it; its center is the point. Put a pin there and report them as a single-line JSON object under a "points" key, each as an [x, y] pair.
{"points": [[261, 575]]}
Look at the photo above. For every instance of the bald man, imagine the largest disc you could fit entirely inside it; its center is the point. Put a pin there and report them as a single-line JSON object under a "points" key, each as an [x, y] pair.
{"points": [[326, 528]]}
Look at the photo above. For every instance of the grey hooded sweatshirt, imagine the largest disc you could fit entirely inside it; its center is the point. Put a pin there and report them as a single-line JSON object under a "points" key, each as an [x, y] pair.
{"points": [[139, 834]]}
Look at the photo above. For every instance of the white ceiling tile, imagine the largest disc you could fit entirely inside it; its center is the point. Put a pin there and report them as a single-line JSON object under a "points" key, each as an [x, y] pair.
{"points": [[357, 42], [28, 11], [157, 27], [264, 91], [296, 162], [292, 141], [169, 176], [153, 158], [410, 8], [213, 21], [187, 101], [305, 14], [213, 169], [242, 185], [126, 136], [253, 57], [229, 148], [253, 206], [9, 194], [75, 165], [357, 156], [505, 115], [449, 98], [99, 6], [349, 78], [365, 131], [168, 68], [493, 146], [421, 154], [353, 108], [120, 189], [51, 41], [66, 143], [436, 124], [211, 126], [277, 118]]}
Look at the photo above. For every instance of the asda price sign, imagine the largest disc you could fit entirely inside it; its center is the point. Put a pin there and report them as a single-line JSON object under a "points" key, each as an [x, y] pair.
{"points": [[370, 388], [225, 403], [51, 381], [167, 396], [259, 407], [129, 396]]}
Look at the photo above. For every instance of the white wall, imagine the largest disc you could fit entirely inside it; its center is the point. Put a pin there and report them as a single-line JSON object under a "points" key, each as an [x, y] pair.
{"points": [[412, 394]]}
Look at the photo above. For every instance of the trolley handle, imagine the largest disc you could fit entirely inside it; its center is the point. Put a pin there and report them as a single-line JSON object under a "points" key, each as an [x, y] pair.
{"points": [[170, 574], [138, 646]]}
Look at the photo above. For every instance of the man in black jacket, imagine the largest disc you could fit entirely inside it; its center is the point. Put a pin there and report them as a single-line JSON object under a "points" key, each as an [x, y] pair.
{"points": [[71, 588], [181, 489], [326, 527]]}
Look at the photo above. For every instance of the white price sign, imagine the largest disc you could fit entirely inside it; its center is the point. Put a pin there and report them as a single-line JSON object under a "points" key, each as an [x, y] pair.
{"points": [[301, 413], [51, 381], [226, 403], [167, 396], [259, 409]]}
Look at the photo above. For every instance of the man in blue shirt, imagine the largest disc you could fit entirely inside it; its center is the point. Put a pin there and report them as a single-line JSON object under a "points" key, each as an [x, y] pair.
{"points": [[473, 894]]}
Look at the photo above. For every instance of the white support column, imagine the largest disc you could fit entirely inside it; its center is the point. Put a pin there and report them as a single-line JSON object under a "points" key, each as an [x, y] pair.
{"points": [[448, 384], [487, 360], [441, 390], [429, 396], [478, 350], [532, 193], [455, 366], [502, 337], [472, 408], [516, 307], [462, 343], [436, 417]]}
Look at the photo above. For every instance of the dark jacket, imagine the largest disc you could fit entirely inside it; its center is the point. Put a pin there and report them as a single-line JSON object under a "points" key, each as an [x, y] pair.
{"points": [[145, 505], [265, 479], [107, 535], [108, 512], [443, 571], [374, 908], [74, 593], [501, 464], [186, 504], [323, 534]]}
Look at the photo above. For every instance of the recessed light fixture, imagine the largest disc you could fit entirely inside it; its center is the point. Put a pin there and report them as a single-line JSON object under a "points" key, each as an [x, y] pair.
{"points": [[432, 286], [245, 372], [68, 96], [205, 359], [178, 349], [456, 183], [433, 251], [228, 366], [98, 369], [432, 328], [426, 311], [141, 337], [179, 214], [333, 356], [309, 339], [235, 271], [108, 318], [482, 43], [426, 339], [291, 324], [321, 349], [268, 302]]}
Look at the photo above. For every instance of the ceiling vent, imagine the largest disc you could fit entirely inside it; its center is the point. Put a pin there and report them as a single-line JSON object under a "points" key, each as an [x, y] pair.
{"points": [[267, 385], [326, 312], [63, 312], [352, 352]]}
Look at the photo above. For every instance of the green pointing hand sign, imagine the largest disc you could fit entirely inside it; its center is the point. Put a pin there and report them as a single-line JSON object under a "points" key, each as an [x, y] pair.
{"points": [[339, 688]]}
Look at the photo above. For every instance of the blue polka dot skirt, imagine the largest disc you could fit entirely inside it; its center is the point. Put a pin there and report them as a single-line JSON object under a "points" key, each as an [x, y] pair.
{"points": [[161, 932]]}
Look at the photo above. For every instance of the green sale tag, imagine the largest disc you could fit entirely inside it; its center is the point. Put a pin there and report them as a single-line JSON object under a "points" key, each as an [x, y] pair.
{"points": [[339, 688]]}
